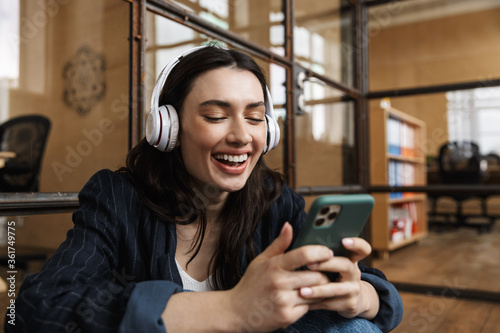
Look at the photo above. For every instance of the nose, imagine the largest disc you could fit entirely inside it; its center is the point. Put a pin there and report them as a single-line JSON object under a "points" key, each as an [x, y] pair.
{"points": [[239, 132]]}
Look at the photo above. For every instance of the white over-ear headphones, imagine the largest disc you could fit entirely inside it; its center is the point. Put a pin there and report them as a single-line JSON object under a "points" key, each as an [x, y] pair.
{"points": [[162, 125]]}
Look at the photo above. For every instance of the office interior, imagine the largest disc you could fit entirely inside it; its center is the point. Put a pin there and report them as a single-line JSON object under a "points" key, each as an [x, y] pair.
{"points": [[339, 72]]}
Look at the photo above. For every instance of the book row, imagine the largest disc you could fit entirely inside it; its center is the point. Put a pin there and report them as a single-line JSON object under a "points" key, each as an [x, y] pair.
{"points": [[400, 138], [400, 174]]}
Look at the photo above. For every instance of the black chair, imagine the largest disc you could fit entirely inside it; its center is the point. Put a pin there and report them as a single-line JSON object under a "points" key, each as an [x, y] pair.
{"points": [[460, 163], [27, 137]]}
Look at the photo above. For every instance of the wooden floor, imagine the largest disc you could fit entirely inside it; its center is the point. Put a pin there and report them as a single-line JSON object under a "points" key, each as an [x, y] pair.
{"points": [[433, 314], [452, 263]]}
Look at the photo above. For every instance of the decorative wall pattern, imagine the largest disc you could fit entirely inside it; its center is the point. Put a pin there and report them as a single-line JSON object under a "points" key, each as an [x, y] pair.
{"points": [[84, 80]]}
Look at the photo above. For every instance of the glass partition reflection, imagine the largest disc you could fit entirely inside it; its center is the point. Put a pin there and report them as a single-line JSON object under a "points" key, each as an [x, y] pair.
{"points": [[260, 21], [323, 35], [325, 136], [68, 62]]}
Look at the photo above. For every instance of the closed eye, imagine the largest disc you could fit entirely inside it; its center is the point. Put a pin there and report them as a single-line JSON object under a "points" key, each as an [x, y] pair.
{"points": [[214, 119], [256, 120]]}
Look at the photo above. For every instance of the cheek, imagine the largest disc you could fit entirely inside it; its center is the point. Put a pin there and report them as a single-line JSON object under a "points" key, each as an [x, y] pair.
{"points": [[196, 142]]}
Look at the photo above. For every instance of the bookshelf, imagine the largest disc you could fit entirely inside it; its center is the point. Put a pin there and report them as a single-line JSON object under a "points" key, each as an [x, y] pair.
{"points": [[397, 158]]}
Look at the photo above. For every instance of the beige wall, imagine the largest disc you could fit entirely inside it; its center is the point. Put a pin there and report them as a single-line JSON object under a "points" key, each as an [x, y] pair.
{"points": [[446, 50]]}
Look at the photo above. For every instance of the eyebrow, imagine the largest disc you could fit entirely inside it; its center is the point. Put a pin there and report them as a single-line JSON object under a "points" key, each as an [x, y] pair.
{"points": [[225, 104]]}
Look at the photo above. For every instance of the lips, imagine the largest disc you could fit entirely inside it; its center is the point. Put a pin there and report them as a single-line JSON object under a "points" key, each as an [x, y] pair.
{"points": [[232, 164]]}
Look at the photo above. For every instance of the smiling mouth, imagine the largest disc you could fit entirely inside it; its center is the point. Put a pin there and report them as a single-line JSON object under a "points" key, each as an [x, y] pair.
{"points": [[231, 160]]}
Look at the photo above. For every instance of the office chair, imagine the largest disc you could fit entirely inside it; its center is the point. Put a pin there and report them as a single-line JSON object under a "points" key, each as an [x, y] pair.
{"points": [[27, 137], [460, 163]]}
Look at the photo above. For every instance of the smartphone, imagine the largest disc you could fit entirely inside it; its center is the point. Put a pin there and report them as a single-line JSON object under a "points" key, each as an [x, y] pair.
{"points": [[334, 217]]}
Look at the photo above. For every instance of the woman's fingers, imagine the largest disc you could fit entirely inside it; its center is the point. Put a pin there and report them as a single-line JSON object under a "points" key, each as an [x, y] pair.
{"points": [[329, 290], [347, 269], [296, 258], [306, 255], [358, 247]]}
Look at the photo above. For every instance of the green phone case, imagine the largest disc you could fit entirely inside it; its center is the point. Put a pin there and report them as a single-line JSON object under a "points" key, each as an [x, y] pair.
{"points": [[333, 217]]}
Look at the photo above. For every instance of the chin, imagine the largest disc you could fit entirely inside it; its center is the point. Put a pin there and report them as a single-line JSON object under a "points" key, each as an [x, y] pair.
{"points": [[231, 187]]}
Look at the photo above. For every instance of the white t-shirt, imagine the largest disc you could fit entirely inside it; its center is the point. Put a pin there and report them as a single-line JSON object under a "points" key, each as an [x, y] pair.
{"points": [[191, 284]]}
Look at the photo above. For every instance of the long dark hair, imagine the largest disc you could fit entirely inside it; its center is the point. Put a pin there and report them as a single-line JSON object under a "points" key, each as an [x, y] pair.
{"points": [[163, 182]]}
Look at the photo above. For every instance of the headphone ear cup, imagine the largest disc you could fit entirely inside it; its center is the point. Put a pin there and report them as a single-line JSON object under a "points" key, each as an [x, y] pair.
{"points": [[153, 127], [174, 128], [273, 134], [163, 129]]}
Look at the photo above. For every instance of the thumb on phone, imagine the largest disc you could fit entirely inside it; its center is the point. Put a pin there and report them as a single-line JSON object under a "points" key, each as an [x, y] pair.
{"points": [[281, 243]]}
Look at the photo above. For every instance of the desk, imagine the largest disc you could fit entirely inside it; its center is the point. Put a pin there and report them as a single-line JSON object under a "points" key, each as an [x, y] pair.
{"points": [[4, 155]]}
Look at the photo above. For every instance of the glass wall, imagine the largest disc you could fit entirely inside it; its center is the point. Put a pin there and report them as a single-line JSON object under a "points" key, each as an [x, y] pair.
{"points": [[260, 21], [68, 61], [322, 38], [325, 136], [438, 61]]}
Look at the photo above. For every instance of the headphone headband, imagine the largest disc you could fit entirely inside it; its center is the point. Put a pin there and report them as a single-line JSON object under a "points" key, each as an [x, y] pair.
{"points": [[162, 78], [162, 125]]}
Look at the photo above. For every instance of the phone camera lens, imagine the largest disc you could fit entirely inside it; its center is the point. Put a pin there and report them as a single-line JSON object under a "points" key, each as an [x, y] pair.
{"points": [[319, 222], [324, 210], [332, 216]]}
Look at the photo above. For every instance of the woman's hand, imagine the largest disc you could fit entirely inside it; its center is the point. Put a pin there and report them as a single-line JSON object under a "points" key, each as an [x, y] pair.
{"points": [[267, 297], [349, 296]]}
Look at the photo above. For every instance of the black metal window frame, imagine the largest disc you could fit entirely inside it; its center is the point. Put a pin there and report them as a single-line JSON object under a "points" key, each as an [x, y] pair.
{"points": [[44, 203]]}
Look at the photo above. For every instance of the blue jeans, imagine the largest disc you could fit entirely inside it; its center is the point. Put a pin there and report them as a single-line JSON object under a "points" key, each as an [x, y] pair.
{"points": [[322, 321]]}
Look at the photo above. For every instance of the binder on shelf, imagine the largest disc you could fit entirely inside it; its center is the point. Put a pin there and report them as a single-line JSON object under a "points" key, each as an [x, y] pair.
{"points": [[402, 221], [393, 136]]}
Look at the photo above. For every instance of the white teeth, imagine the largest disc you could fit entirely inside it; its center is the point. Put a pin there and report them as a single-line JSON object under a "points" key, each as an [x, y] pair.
{"points": [[232, 158]]}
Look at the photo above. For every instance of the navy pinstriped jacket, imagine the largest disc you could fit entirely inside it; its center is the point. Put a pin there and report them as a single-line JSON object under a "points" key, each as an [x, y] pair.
{"points": [[116, 270]]}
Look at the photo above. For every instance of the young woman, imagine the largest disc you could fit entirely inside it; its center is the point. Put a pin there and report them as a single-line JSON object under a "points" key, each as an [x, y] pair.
{"points": [[196, 209]]}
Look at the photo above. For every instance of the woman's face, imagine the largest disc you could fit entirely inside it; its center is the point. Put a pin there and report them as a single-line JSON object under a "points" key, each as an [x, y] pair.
{"points": [[223, 129]]}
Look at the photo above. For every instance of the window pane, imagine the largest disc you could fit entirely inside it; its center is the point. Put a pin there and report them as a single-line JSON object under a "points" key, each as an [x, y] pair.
{"points": [[166, 40], [422, 42], [473, 115], [260, 21], [326, 147], [322, 38], [68, 61]]}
